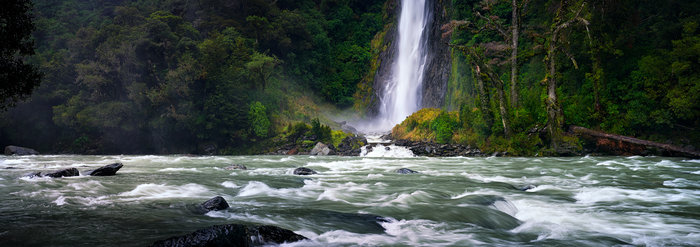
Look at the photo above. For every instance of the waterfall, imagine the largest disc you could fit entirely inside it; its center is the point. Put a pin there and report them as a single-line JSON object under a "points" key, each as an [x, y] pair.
{"points": [[402, 93]]}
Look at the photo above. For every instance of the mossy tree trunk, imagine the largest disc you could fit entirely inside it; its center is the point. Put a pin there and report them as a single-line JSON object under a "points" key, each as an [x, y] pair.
{"points": [[514, 55], [563, 19]]}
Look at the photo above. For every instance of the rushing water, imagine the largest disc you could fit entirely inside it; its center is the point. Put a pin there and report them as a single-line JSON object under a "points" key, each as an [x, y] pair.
{"points": [[402, 93], [580, 201]]}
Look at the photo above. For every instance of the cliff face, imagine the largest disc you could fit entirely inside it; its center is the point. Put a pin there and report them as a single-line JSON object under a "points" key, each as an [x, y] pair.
{"points": [[386, 58], [438, 62]]}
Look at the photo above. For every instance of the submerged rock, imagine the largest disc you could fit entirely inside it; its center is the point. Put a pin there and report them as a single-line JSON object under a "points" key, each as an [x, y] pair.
{"points": [[527, 187], [236, 167], [215, 204], [320, 149], [233, 235], [15, 150], [304, 171], [405, 171], [108, 170], [70, 172]]}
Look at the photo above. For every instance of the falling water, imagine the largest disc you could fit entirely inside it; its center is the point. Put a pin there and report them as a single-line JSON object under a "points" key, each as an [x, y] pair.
{"points": [[402, 94]]}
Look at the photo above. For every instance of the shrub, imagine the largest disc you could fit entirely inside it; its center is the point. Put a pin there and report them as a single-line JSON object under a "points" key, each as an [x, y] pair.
{"points": [[443, 126], [322, 132], [298, 130], [259, 122]]}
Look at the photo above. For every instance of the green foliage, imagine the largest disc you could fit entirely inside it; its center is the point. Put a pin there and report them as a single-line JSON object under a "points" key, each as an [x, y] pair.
{"points": [[615, 74], [321, 131], [259, 122], [443, 125], [297, 130], [18, 78]]}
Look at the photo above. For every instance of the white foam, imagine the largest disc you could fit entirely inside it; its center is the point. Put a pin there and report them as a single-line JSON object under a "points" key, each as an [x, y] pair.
{"points": [[392, 152], [612, 194], [89, 186], [161, 191], [179, 169], [229, 184], [681, 183], [568, 221], [256, 188], [60, 201], [667, 163]]}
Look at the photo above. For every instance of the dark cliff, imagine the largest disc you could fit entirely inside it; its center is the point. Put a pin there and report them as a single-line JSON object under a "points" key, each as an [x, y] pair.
{"points": [[438, 62], [385, 60]]}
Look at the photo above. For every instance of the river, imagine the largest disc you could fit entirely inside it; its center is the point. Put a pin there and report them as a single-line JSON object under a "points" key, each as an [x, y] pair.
{"points": [[577, 201]]}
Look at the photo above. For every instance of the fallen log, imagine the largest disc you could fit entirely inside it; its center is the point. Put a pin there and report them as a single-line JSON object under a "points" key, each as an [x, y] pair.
{"points": [[625, 145]]}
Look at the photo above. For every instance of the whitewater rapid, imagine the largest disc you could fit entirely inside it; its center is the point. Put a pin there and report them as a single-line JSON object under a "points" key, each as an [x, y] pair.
{"points": [[459, 201]]}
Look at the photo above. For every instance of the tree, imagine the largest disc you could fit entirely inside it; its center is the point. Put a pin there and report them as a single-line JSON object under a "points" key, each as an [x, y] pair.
{"points": [[259, 122], [568, 13], [260, 67], [18, 79], [510, 35]]}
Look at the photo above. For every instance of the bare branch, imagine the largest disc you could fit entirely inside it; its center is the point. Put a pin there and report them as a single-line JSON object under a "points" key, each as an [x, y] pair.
{"points": [[571, 57], [492, 25]]}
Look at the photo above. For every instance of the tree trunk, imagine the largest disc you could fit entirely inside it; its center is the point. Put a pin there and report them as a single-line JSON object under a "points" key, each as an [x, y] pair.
{"points": [[502, 106], [555, 118], [514, 58], [483, 96], [597, 81]]}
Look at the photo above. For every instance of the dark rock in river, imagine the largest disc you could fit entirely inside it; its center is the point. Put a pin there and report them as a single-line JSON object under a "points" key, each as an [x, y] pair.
{"points": [[15, 150], [527, 187], [304, 171], [351, 146], [215, 204], [236, 167], [352, 222], [233, 235], [70, 172], [438, 150], [108, 170], [405, 171]]}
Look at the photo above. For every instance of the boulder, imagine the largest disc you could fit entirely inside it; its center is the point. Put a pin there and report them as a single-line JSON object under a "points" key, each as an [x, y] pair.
{"points": [[233, 235], [15, 150], [215, 204], [405, 171], [108, 170], [320, 149], [293, 151], [236, 167], [70, 172], [304, 171], [350, 146]]}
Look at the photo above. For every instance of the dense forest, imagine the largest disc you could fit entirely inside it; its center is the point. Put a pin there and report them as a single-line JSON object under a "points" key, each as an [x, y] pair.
{"points": [[625, 67], [181, 76], [177, 76]]}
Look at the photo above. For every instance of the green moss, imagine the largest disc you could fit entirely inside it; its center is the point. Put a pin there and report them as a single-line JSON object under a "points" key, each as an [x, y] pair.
{"points": [[337, 137]]}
